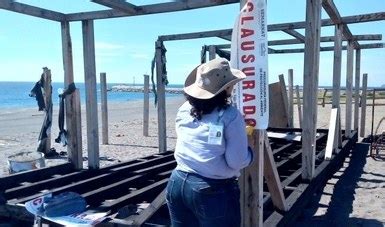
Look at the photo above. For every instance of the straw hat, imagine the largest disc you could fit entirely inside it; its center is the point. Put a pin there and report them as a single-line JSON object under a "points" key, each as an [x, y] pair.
{"points": [[209, 79]]}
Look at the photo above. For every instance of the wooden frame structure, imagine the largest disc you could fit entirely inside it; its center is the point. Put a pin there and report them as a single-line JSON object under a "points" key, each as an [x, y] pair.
{"points": [[311, 40]]}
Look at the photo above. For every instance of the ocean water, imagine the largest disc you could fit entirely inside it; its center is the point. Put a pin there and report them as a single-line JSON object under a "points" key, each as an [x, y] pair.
{"points": [[16, 94]]}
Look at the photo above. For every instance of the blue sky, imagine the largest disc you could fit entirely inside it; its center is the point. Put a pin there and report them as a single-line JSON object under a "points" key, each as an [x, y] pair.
{"points": [[125, 46]]}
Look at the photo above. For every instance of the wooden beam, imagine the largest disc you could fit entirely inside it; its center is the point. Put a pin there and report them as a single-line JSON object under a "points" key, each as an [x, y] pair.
{"points": [[284, 97], [120, 5], [196, 35], [299, 106], [22, 8], [349, 90], [161, 105], [295, 34], [337, 66], [330, 48], [146, 104], [91, 97], [73, 107], [104, 107], [310, 89], [335, 16], [149, 9], [357, 89], [363, 104], [291, 98]]}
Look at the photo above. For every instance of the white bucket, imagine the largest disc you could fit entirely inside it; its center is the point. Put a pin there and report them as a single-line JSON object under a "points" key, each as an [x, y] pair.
{"points": [[25, 161]]}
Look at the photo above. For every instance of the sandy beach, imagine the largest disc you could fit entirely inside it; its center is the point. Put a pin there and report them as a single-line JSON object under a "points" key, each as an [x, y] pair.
{"points": [[365, 190]]}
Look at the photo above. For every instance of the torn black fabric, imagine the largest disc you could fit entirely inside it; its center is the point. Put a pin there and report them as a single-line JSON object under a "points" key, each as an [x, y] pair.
{"points": [[36, 92], [62, 137]]}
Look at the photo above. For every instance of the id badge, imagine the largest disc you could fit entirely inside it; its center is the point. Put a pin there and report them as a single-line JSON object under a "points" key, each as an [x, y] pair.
{"points": [[215, 134]]}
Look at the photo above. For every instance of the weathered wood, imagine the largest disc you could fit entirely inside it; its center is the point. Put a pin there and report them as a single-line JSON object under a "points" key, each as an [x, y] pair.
{"points": [[212, 53], [72, 108], [285, 98], [144, 215], [104, 107], [291, 98], [22, 8], [363, 104], [332, 135], [295, 34], [324, 97], [120, 5], [310, 89], [299, 106], [196, 35], [278, 117], [251, 183], [349, 90], [48, 104], [357, 89], [90, 87], [161, 106], [335, 16], [330, 48], [272, 178], [149, 9], [146, 104], [337, 67]]}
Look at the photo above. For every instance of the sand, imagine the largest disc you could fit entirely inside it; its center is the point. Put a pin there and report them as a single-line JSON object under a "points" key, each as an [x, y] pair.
{"points": [[356, 192]]}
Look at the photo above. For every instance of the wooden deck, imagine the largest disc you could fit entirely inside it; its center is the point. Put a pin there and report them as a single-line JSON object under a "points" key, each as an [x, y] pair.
{"points": [[115, 187]]}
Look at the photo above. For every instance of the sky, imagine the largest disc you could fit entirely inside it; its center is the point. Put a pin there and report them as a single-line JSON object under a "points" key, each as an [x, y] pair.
{"points": [[124, 47]]}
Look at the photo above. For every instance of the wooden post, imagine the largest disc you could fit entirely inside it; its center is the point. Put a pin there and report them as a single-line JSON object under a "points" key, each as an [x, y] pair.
{"points": [[357, 89], [272, 178], [251, 183], [48, 104], [91, 97], [331, 143], [324, 97], [349, 90], [291, 99], [161, 97], [363, 104], [212, 53], [299, 106], [284, 96], [72, 109], [310, 89], [337, 66], [104, 107], [146, 104]]}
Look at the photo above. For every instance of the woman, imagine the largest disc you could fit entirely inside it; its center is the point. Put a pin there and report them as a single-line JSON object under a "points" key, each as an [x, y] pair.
{"points": [[211, 150]]}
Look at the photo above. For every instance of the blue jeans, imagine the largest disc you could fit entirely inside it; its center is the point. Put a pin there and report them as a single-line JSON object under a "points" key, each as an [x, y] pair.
{"points": [[195, 201]]}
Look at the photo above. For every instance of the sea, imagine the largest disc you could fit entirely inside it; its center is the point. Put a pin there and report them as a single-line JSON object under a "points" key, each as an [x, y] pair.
{"points": [[16, 94]]}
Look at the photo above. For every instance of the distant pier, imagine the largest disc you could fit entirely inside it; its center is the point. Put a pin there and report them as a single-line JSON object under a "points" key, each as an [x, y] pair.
{"points": [[130, 88]]}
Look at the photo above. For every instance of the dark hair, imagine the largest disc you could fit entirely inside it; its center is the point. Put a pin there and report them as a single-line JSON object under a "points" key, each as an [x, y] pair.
{"points": [[206, 106]]}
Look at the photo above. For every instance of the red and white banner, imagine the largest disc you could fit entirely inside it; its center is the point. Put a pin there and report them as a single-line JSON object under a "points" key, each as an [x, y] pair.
{"points": [[249, 53]]}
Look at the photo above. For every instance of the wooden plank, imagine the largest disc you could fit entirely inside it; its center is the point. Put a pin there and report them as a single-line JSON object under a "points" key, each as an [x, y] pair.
{"points": [[357, 89], [90, 87], [72, 108], [337, 67], [104, 107], [144, 215], [291, 98], [272, 178], [196, 35], [146, 104], [251, 183], [149, 9], [363, 104], [329, 48], [284, 97], [22, 8], [295, 34], [349, 91], [278, 117], [310, 89], [299, 105], [120, 5], [161, 105], [332, 135]]}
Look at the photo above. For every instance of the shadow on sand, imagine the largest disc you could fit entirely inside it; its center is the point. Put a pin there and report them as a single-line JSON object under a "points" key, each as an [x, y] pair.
{"points": [[341, 201]]}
